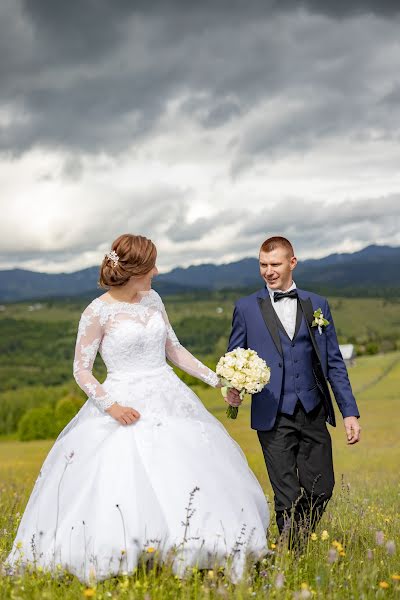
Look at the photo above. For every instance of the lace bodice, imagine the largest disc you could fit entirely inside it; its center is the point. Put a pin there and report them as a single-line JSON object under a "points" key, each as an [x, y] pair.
{"points": [[131, 338]]}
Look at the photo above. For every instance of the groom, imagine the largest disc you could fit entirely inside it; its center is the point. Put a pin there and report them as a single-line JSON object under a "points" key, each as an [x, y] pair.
{"points": [[289, 414]]}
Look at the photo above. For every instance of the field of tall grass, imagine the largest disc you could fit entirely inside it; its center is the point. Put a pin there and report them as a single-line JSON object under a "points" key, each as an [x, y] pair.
{"points": [[354, 554]]}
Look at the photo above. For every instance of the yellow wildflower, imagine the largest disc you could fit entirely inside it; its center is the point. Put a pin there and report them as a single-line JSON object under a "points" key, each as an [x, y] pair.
{"points": [[89, 592], [304, 586], [396, 577], [273, 546], [338, 547], [384, 585], [210, 574], [342, 553], [150, 550], [19, 545], [314, 537], [324, 535]]}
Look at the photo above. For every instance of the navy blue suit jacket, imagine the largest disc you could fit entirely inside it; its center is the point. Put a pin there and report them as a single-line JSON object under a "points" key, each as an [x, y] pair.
{"points": [[254, 326]]}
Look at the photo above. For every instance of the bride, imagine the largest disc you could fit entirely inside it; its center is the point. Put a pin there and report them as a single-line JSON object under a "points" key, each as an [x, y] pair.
{"points": [[143, 467]]}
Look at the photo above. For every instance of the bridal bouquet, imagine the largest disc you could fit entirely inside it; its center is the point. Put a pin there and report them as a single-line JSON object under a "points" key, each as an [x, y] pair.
{"points": [[243, 370]]}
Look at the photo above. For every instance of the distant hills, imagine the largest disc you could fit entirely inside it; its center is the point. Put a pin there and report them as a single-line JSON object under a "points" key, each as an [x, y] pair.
{"points": [[373, 271]]}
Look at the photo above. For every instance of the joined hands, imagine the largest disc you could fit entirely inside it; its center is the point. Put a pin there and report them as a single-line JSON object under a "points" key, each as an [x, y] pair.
{"points": [[233, 397]]}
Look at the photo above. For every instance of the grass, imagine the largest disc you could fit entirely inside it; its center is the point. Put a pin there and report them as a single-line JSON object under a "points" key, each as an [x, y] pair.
{"points": [[353, 555]]}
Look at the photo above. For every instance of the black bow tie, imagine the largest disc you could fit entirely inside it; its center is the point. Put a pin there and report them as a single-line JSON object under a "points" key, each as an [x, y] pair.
{"points": [[280, 295]]}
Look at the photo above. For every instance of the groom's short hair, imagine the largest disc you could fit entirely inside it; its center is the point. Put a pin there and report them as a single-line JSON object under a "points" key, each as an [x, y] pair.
{"points": [[277, 242]]}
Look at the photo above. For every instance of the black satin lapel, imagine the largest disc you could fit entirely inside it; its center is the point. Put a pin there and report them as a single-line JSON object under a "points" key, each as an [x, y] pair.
{"points": [[268, 314], [299, 317], [307, 308]]}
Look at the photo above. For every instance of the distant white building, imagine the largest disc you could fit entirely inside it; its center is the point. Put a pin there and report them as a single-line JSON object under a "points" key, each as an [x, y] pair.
{"points": [[348, 352], [36, 306]]}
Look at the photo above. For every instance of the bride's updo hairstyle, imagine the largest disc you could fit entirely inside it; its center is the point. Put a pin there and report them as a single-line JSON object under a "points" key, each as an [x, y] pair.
{"points": [[130, 256]]}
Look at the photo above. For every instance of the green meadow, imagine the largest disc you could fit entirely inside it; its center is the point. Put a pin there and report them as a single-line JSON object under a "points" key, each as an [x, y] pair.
{"points": [[354, 554], [355, 551]]}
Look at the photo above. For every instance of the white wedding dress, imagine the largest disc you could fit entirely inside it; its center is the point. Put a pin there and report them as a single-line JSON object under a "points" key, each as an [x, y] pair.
{"points": [[174, 482]]}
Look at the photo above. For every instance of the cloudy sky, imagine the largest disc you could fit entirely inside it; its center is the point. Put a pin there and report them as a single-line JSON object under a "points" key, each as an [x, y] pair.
{"points": [[206, 126]]}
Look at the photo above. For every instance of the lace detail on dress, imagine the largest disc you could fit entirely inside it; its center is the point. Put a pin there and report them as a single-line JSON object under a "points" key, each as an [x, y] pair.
{"points": [[87, 345], [183, 359], [133, 339], [172, 337]]}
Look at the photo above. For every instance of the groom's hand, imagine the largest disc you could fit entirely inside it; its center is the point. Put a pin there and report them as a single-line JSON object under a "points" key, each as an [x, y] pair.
{"points": [[353, 429], [233, 397]]}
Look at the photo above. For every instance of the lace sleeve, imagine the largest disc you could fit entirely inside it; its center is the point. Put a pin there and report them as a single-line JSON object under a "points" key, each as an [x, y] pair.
{"points": [[90, 333], [182, 358]]}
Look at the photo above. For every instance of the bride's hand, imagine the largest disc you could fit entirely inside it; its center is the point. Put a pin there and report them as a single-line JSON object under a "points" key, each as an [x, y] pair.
{"points": [[123, 414]]}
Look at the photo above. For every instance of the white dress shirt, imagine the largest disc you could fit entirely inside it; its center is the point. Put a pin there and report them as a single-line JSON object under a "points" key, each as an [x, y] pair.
{"points": [[286, 309]]}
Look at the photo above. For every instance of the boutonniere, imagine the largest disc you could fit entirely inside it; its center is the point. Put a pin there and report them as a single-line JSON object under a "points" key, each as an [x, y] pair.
{"points": [[319, 320]]}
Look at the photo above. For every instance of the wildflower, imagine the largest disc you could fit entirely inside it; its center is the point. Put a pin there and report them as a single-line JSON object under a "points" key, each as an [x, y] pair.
{"points": [[89, 592], [210, 574], [19, 545], [150, 549], [324, 535], [384, 585], [273, 546], [370, 554], [342, 553], [379, 538], [332, 555], [396, 577], [304, 586], [338, 546], [279, 581], [314, 537], [390, 547]]}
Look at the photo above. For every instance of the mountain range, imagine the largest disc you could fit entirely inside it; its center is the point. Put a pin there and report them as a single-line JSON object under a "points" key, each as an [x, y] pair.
{"points": [[373, 271]]}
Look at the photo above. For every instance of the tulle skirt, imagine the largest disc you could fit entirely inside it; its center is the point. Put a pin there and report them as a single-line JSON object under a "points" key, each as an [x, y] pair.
{"points": [[174, 486]]}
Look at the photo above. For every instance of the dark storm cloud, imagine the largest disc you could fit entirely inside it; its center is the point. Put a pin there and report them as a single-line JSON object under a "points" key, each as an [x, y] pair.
{"points": [[315, 224], [98, 76]]}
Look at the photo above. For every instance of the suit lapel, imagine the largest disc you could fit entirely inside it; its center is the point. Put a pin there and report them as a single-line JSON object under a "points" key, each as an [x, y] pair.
{"points": [[268, 315], [308, 311], [299, 317]]}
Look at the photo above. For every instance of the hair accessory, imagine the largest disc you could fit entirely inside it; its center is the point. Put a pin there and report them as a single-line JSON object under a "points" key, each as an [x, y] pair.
{"points": [[113, 256]]}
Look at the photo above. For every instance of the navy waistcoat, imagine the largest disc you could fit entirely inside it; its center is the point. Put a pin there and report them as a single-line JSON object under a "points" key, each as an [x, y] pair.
{"points": [[299, 381]]}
